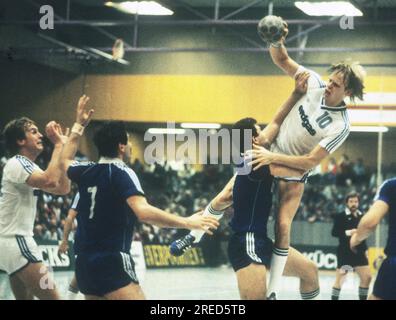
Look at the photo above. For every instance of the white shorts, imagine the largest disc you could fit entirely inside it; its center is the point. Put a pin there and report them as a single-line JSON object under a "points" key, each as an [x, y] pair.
{"points": [[16, 252]]}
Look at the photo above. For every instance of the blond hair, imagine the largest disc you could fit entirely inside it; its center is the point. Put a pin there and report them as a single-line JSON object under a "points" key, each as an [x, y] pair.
{"points": [[353, 74]]}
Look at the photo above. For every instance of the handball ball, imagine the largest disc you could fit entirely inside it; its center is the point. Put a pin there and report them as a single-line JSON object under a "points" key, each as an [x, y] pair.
{"points": [[271, 28]]}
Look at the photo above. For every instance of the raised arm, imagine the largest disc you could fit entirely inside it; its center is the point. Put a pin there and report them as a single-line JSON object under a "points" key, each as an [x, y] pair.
{"points": [[51, 180], [268, 135], [281, 58], [83, 117]]}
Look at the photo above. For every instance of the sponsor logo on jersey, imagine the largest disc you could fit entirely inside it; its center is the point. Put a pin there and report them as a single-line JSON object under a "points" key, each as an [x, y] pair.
{"points": [[305, 122]]}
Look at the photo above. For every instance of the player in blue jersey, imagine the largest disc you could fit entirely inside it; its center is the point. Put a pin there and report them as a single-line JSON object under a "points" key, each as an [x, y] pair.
{"points": [[250, 248], [111, 202], [384, 203]]}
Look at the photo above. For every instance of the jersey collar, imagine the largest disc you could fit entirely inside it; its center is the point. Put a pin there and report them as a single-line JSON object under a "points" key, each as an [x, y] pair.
{"points": [[348, 212], [341, 107], [110, 160]]}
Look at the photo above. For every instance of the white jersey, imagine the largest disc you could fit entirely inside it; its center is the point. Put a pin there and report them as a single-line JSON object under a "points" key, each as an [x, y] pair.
{"points": [[17, 201], [311, 122]]}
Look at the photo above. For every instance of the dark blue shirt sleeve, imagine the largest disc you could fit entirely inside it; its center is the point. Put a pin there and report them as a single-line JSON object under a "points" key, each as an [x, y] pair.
{"points": [[386, 191], [126, 183]]}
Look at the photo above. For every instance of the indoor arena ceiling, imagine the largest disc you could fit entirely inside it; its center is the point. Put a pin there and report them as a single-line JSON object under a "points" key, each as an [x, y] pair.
{"points": [[87, 28], [241, 3]]}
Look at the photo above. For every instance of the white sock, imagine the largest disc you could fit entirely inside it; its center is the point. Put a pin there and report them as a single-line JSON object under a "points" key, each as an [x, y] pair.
{"points": [[209, 211], [278, 262], [314, 295], [72, 293]]}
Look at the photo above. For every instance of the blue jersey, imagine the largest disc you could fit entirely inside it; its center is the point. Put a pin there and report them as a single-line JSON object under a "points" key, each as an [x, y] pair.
{"points": [[387, 193], [105, 221], [252, 198]]}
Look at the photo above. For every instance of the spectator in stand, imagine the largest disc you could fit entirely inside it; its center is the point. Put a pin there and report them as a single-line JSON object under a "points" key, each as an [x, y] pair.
{"points": [[345, 170], [331, 171], [359, 171]]}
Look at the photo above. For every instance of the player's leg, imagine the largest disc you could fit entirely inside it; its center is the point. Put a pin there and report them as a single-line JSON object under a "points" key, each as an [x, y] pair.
{"points": [[20, 291], [39, 280], [132, 291], [290, 194], [73, 290], [298, 265], [385, 283], [337, 286], [252, 282], [365, 280]]}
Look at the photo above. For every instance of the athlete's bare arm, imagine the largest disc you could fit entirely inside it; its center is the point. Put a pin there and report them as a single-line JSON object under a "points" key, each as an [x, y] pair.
{"points": [[51, 180], [281, 58], [304, 163], [223, 199], [149, 214], [67, 228], [270, 132], [369, 222], [83, 117]]}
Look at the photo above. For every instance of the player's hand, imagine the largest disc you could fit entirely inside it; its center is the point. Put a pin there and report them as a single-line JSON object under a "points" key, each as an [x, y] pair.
{"points": [[84, 114], [285, 31], [353, 243], [301, 83], [63, 248], [350, 232], [260, 156], [53, 130], [200, 222]]}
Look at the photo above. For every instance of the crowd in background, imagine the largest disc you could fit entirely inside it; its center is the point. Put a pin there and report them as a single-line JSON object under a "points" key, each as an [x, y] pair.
{"points": [[180, 189]]}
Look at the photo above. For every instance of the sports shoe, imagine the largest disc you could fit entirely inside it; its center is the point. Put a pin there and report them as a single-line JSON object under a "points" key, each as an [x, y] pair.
{"points": [[272, 296], [179, 246]]}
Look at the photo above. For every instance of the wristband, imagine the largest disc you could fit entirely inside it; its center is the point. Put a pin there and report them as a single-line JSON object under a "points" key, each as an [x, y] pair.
{"points": [[78, 129], [277, 44]]}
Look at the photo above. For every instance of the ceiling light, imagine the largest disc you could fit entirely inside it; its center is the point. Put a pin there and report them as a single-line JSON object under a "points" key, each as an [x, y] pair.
{"points": [[166, 131], [188, 125], [331, 8], [369, 129], [141, 7]]}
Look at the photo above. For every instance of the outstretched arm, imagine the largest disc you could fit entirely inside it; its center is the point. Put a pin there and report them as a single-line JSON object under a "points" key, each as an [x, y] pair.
{"points": [[149, 214], [223, 199], [369, 222]]}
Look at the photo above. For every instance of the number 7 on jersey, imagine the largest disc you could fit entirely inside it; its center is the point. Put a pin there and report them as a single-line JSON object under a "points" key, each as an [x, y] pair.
{"points": [[92, 191]]}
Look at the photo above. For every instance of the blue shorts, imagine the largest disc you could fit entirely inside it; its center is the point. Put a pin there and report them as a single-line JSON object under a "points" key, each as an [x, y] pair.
{"points": [[385, 284], [247, 248], [101, 273]]}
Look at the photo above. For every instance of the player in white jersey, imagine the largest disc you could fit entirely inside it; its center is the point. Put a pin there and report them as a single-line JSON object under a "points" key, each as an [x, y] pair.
{"points": [[317, 125], [22, 179]]}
